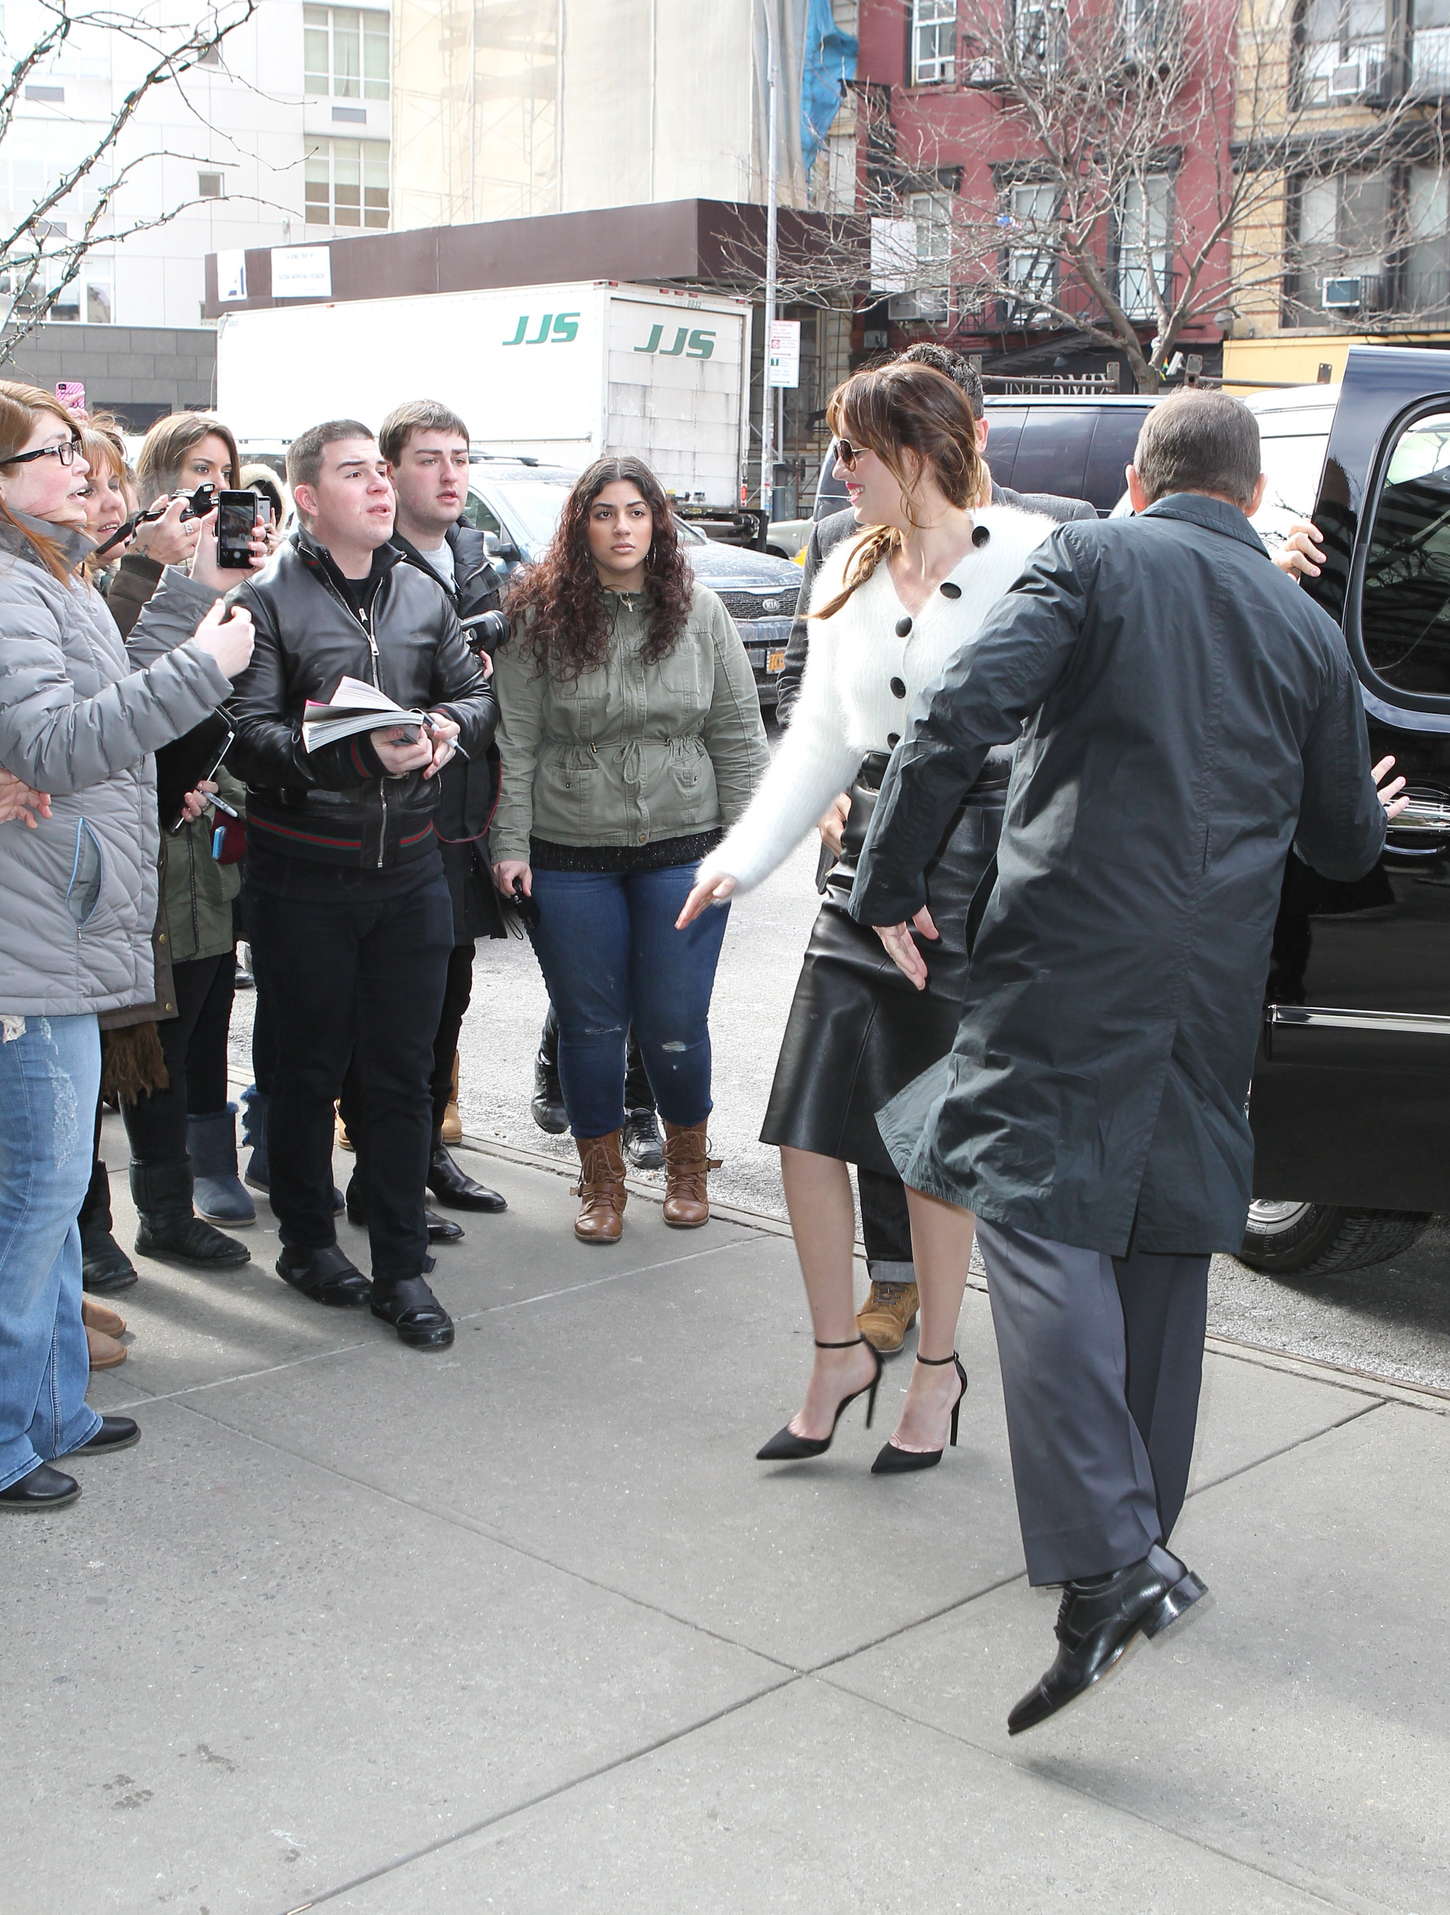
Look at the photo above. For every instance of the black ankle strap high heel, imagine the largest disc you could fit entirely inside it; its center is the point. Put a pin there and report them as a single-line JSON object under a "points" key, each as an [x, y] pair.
{"points": [[892, 1461], [786, 1447]]}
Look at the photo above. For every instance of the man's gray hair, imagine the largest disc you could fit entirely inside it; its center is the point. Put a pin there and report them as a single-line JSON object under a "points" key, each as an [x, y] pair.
{"points": [[1199, 441]]}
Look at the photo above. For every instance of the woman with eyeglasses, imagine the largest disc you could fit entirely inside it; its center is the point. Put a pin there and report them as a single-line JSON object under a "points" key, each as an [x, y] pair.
{"points": [[79, 720], [890, 608]]}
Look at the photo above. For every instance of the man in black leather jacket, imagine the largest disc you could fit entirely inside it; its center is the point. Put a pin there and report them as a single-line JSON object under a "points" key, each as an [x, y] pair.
{"points": [[347, 905], [890, 1308], [426, 448]]}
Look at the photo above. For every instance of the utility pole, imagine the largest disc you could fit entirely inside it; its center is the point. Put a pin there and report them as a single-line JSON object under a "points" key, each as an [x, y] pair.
{"points": [[772, 181]]}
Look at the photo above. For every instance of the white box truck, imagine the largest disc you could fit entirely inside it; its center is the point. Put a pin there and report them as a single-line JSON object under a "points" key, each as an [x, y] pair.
{"points": [[563, 373]]}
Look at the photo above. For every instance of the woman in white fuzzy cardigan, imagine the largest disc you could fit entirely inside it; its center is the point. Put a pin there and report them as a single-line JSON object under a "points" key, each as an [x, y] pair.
{"points": [[890, 608]]}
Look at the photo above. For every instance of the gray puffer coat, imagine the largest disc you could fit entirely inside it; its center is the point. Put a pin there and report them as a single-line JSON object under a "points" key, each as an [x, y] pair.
{"points": [[80, 718]]}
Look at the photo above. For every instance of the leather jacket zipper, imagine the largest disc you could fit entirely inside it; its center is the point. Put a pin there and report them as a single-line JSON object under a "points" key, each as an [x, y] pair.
{"points": [[363, 620]]}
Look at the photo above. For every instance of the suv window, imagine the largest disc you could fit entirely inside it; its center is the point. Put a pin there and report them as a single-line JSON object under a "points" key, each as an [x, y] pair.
{"points": [[1077, 452], [1404, 611]]}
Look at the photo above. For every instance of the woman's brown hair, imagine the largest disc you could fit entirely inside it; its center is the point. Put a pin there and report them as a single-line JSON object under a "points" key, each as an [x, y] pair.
{"points": [[18, 407], [568, 631], [892, 411], [158, 464]]}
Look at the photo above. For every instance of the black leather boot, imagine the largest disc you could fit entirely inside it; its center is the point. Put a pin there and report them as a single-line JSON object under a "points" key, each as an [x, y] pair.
{"points": [[452, 1185], [105, 1267], [547, 1102], [170, 1230], [414, 1312]]}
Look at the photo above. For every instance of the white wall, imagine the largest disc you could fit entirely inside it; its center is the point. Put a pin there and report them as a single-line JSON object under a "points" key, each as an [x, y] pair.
{"points": [[249, 119]]}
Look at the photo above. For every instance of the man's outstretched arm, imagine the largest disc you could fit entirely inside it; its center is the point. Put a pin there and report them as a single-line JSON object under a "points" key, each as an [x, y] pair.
{"points": [[993, 683]]}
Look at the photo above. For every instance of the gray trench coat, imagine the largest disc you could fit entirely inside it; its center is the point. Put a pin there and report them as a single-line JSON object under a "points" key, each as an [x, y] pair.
{"points": [[1190, 716]]}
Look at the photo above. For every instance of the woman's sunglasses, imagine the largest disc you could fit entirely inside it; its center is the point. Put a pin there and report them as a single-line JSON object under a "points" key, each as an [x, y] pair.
{"points": [[66, 452], [849, 454]]}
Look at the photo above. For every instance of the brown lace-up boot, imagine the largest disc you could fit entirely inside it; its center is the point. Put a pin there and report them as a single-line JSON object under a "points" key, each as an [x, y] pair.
{"points": [[688, 1164], [601, 1188]]}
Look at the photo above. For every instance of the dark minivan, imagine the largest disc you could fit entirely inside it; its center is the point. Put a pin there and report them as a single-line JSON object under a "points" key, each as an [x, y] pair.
{"points": [[1351, 1093]]}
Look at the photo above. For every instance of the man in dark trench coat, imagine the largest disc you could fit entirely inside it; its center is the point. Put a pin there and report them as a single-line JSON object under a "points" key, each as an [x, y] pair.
{"points": [[1190, 716]]}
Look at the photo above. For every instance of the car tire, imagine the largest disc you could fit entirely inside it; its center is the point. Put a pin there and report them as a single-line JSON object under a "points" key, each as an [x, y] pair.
{"points": [[1316, 1240]]}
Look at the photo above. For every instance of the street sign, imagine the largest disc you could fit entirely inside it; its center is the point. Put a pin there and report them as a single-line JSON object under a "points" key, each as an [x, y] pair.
{"points": [[783, 353]]}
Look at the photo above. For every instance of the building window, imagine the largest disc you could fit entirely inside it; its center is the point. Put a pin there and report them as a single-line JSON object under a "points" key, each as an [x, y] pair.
{"points": [[1039, 31], [1426, 293], [1145, 248], [1340, 237], [1030, 265], [345, 53], [1430, 49], [51, 95], [210, 56], [1341, 51], [933, 42], [210, 186], [347, 183]]}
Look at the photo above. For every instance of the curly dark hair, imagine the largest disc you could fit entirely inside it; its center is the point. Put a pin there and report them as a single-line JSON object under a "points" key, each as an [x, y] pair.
{"points": [[568, 631]]}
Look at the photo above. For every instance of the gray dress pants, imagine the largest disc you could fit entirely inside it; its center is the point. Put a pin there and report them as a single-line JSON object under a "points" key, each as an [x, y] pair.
{"points": [[1101, 1363]]}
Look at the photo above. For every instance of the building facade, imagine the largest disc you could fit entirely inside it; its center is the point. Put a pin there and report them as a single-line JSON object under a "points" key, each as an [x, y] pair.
{"points": [[280, 137], [1056, 177], [1348, 238]]}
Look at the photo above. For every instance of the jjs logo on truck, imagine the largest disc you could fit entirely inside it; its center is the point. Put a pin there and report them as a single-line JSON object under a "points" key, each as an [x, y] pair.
{"points": [[694, 345], [554, 329]]}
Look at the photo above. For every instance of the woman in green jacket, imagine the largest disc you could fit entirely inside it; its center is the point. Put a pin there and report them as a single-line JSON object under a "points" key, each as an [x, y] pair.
{"points": [[631, 740]]}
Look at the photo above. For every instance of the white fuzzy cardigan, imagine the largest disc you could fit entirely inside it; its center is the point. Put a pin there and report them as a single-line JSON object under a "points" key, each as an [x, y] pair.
{"points": [[863, 681]]}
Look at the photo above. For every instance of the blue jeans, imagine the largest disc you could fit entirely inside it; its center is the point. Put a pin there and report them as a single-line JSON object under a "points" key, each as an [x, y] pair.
{"points": [[50, 1077], [612, 958]]}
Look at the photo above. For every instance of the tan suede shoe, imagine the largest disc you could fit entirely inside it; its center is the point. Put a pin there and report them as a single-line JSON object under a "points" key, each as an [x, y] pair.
{"points": [[96, 1316], [451, 1130], [105, 1352], [601, 1189], [886, 1316]]}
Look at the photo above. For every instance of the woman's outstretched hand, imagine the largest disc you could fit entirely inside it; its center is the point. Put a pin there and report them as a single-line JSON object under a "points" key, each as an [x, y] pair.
{"points": [[900, 949], [707, 891]]}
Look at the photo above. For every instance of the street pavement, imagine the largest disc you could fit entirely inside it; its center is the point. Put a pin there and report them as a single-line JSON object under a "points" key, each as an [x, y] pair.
{"points": [[522, 1627]]}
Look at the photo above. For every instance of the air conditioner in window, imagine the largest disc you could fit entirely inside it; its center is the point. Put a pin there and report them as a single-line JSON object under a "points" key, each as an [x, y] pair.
{"points": [[1359, 292], [1362, 78], [928, 304]]}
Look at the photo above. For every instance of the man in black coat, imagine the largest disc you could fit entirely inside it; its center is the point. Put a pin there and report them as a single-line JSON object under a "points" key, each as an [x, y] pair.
{"points": [[1190, 718], [347, 906], [426, 447], [891, 1304]]}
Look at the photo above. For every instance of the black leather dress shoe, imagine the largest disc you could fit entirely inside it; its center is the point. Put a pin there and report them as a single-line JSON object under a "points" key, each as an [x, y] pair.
{"points": [[440, 1229], [115, 1433], [452, 1185], [327, 1275], [44, 1488], [414, 1312], [1097, 1622]]}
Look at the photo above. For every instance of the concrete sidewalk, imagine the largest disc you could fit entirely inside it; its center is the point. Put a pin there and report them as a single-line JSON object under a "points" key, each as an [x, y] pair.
{"points": [[523, 1627]]}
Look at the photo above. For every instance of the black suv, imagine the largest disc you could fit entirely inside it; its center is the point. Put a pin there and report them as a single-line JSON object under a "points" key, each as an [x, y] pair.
{"points": [[1350, 1092]]}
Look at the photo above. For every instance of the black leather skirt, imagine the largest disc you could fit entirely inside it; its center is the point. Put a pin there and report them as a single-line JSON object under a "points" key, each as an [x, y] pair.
{"points": [[858, 1032]]}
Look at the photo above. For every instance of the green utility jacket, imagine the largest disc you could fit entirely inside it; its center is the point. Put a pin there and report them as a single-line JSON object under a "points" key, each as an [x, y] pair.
{"points": [[629, 753]]}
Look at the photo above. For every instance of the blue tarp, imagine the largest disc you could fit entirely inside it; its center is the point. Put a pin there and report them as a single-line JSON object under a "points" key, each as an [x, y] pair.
{"points": [[828, 60]]}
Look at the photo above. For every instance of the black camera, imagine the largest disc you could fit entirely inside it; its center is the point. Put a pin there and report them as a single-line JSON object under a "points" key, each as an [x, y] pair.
{"points": [[485, 631], [198, 505]]}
